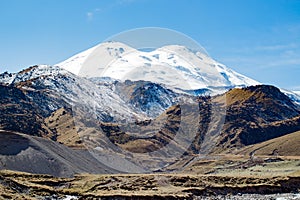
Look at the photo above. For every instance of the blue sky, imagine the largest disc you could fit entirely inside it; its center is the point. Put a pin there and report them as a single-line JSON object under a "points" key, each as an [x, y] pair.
{"points": [[258, 38]]}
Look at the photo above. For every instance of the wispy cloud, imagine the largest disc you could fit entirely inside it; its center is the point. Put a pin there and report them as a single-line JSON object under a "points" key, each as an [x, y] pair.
{"points": [[296, 88], [266, 56], [282, 63], [276, 47], [295, 28], [122, 2], [91, 14], [263, 62], [265, 48]]}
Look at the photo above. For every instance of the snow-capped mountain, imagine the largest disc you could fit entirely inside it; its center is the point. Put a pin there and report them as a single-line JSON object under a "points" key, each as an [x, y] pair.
{"points": [[174, 66], [117, 119]]}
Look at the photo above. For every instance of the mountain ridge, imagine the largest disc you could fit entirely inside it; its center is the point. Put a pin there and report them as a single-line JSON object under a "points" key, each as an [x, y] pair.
{"points": [[268, 103]]}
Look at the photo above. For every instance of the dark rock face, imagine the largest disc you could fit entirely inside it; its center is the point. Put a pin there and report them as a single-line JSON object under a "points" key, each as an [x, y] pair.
{"points": [[149, 94], [147, 97], [19, 113], [269, 131]]}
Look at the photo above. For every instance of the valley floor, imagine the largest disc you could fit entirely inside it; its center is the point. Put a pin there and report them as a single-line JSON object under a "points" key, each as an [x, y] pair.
{"points": [[235, 178]]}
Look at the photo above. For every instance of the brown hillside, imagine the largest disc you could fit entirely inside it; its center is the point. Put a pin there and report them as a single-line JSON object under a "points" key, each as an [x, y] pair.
{"points": [[256, 114], [287, 145], [61, 122]]}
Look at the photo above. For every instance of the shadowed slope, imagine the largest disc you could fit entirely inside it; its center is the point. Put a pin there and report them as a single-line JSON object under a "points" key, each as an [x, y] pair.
{"points": [[37, 155]]}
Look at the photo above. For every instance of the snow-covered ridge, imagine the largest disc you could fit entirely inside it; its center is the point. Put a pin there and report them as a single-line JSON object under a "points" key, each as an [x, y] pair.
{"points": [[109, 99], [34, 72], [297, 92], [177, 67], [57, 83], [293, 95]]}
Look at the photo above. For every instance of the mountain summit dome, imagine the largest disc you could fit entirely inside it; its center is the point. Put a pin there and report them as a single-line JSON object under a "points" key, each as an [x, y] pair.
{"points": [[175, 66]]}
